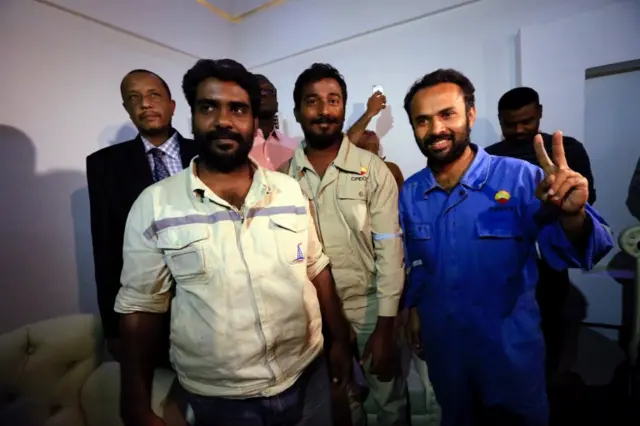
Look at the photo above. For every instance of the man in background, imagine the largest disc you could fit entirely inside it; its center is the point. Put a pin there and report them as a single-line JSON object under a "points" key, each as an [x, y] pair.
{"points": [[271, 148], [355, 202], [520, 112], [369, 141], [117, 174]]}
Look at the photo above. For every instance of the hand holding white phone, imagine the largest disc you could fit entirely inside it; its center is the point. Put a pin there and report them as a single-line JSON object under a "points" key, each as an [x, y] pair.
{"points": [[377, 88]]}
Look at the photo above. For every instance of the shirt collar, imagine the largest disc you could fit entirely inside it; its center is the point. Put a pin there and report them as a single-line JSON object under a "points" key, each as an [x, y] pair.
{"points": [[347, 158], [170, 147], [474, 178], [259, 188]]}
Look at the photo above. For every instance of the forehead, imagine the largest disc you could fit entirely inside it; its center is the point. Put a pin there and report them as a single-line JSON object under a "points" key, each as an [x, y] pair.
{"points": [[142, 81], [324, 87], [266, 84], [225, 91], [524, 113], [434, 99]]}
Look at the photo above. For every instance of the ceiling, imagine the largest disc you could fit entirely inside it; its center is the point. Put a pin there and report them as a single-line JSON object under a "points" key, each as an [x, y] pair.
{"points": [[236, 11]]}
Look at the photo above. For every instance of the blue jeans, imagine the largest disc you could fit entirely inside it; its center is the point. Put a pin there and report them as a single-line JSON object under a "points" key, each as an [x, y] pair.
{"points": [[306, 403]]}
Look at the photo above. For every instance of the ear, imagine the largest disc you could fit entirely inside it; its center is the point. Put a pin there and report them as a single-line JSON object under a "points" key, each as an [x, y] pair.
{"points": [[295, 114], [471, 116], [173, 107], [540, 109]]}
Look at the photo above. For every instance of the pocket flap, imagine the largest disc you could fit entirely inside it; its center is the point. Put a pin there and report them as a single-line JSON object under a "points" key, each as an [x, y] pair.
{"points": [[502, 227], [179, 237], [419, 231], [350, 190], [290, 222]]}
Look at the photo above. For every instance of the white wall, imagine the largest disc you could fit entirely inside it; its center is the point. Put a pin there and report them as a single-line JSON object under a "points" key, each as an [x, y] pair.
{"points": [[554, 58], [479, 39], [184, 25], [60, 101]]}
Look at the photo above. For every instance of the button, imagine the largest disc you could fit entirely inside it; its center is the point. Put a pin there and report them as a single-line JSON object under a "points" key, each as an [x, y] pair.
{"points": [[267, 392], [360, 193]]}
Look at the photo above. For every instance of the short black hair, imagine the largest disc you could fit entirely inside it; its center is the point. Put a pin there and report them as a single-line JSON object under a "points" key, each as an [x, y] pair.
{"points": [[438, 77], [224, 70], [517, 98], [315, 73], [143, 71]]}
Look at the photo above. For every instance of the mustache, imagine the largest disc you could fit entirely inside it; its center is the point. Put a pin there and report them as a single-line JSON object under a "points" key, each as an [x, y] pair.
{"points": [[325, 119], [437, 138], [218, 134]]}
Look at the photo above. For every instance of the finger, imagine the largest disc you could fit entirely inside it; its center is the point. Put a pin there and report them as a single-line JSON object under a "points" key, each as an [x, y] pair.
{"points": [[541, 154], [565, 189], [557, 150], [556, 180], [543, 187]]}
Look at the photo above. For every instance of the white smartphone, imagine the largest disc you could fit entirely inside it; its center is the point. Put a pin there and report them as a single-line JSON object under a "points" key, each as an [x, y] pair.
{"points": [[377, 88]]}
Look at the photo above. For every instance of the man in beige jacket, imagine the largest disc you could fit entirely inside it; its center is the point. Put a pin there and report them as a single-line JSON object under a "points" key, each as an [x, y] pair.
{"points": [[355, 203]]}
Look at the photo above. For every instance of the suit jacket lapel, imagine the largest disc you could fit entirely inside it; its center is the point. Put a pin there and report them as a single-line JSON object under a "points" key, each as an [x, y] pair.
{"points": [[187, 150], [140, 170]]}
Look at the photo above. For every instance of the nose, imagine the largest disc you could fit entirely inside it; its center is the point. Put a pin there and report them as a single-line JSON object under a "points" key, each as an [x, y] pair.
{"points": [[146, 102], [520, 129], [223, 118], [437, 127]]}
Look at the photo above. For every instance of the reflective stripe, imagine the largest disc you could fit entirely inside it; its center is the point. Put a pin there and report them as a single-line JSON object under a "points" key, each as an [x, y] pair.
{"points": [[228, 215], [416, 263], [380, 237]]}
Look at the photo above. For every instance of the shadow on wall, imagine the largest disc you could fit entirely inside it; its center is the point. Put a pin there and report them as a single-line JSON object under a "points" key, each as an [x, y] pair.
{"points": [[113, 135], [39, 274]]}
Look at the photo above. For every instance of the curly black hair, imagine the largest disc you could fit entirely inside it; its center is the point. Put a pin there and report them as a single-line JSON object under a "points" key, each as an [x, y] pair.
{"points": [[224, 70], [438, 77], [314, 73]]}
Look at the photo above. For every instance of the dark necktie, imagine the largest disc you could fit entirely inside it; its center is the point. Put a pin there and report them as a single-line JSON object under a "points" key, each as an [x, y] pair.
{"points": [[160, 170]]}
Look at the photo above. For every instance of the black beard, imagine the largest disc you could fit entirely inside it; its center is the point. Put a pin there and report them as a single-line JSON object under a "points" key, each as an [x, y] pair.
{"points": [[322, 141], [223, 162], [460, 144]]}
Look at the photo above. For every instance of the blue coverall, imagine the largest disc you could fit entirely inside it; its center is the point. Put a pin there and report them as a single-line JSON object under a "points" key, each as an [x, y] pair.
{"points": [[471, 255]]}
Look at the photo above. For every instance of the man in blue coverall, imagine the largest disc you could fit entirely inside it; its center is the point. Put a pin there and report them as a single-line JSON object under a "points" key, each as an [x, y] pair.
{"points": [[471, 222]]}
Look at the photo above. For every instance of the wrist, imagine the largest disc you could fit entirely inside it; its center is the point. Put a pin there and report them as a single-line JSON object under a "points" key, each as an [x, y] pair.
{"points": [[575, 221], [385, 323]]}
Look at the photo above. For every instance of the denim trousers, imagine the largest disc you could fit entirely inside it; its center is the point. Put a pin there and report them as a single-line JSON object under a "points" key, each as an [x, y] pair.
{"points": [[306, 403]]}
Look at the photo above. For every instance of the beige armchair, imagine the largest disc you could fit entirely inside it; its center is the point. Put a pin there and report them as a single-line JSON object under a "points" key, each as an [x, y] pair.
{"points": [[51, 375]]}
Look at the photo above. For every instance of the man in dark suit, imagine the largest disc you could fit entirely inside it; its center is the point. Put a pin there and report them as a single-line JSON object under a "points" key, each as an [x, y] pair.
{"points": [[117, 175], [520, 112]]}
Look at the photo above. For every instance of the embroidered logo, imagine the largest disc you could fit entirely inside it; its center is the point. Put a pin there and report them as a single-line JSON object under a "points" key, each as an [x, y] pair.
{"points": [[299, 256], [502, 197], [363, 171]]}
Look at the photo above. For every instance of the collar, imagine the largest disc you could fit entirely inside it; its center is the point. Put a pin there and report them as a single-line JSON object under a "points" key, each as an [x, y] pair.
{"points": [[347, 159], [275, 133], [201, 191], [170, 147], [474, 178]]}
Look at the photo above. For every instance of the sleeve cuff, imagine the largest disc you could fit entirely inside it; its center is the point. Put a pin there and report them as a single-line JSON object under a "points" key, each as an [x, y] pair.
{"points": [[388, 307], [317, 267], [130, 301]]}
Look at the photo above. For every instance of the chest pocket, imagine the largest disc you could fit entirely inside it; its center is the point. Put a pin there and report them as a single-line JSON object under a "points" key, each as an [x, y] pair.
{"points": [[420, 251], [290, 238], [186, 253], [353, 201], [501, 242]]}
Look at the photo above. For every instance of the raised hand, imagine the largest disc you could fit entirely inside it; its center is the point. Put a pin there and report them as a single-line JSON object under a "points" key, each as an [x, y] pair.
{"points": [[561, 186]]}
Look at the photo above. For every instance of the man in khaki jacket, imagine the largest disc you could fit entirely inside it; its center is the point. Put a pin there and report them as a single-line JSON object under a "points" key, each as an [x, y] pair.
{"points": [[355, 200]]}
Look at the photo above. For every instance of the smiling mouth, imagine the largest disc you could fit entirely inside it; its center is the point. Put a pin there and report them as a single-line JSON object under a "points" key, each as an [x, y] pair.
{"points": [[440, 145]]}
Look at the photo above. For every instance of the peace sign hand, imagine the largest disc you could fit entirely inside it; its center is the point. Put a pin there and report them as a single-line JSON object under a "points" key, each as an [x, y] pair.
{"points": [[561, 186]]}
